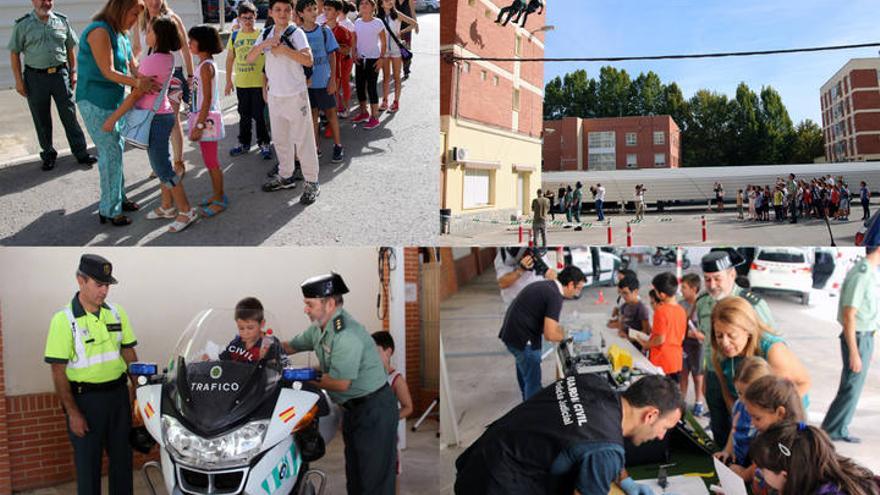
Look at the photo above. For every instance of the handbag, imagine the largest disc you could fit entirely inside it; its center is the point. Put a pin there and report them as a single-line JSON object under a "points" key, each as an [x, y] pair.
{"points": [[214, 129], [405, 54], [136, 123]]}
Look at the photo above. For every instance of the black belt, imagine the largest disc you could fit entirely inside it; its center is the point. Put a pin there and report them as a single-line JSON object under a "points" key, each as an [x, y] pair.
{"points": [[357, 401], [86, 387], [48, 70]]}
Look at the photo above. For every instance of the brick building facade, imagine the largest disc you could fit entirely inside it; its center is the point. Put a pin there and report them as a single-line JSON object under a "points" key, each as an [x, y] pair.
{"points": [[851, 112], [491, 113], [615, 143]]}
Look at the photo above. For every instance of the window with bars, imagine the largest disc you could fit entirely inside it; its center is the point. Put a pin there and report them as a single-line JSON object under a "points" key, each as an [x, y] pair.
{"points": [[659, 137], [631, 139]]}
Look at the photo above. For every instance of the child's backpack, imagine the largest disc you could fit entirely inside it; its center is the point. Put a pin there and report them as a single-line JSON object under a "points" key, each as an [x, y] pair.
{"points": [[285, 38]]}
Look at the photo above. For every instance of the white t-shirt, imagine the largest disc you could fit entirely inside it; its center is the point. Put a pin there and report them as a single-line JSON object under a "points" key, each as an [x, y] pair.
{"points": [[368, 37], [502, 269], [600, 193], [347, 24], [286, 76]]}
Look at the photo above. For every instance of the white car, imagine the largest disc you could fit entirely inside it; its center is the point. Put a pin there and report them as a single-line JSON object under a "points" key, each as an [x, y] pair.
{"points": [[782, 269], [583, 257], [427, 5]]}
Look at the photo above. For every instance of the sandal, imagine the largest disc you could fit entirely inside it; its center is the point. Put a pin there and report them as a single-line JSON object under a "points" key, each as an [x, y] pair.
{"points": [[208, 212], [179, 168], [160, 212], [178, 225]]}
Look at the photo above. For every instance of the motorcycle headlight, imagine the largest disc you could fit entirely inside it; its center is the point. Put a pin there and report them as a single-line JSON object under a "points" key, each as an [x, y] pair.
{"points": [[232, 449]]}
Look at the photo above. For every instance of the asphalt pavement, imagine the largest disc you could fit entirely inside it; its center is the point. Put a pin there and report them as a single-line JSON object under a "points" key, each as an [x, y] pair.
{"points": [[385, 192]]}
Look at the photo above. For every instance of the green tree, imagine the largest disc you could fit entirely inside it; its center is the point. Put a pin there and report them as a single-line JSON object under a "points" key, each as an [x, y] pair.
{"points": [[613, 95], [708, 128], [555, 106], [745, 126], [674, 105], [777, 130], [647, 94], [808, 144]]}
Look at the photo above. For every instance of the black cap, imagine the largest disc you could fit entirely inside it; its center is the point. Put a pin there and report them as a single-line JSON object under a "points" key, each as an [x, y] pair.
{"points": [[329, 284], [97, 268], [717, 261]]}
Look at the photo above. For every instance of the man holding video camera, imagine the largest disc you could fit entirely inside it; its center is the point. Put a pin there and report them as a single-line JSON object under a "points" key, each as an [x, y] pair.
{"points": [[535, 313], [517, 267]]}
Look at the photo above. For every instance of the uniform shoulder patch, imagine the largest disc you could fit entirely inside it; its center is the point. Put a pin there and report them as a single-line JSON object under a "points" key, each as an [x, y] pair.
{"points": [[59, 14], [753, 298], [703, 296], [339, 323], [22, 18]]}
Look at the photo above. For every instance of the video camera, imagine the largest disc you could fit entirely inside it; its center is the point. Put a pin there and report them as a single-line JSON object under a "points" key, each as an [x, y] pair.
{"points": [[538, 265]]}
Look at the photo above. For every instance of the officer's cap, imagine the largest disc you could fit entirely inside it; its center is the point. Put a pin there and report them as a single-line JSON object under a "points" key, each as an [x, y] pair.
{"points": [[329, 284], [97, 268], [717, 261]]}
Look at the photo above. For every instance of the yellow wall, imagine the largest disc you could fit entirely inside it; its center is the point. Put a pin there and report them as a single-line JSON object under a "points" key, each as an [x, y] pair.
{"points": [[485, 144]]}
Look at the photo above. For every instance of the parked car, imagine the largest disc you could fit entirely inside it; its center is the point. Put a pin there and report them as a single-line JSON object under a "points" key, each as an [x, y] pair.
{"points": [[599, 266], [427, 5], [782, 269]]}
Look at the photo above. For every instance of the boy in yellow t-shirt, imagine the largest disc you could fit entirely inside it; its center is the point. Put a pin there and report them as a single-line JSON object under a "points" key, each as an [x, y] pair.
{"points": [[248, 83]]}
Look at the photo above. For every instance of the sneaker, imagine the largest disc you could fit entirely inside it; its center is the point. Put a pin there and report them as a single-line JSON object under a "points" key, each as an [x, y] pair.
{"points": [[383, 106], [273, 172], [266, 152], [310, 194], [320, 153], [328, 132], [342, 113], [371, 124], [279, 183], [239, 150], [361, 117], [700, 409], [394, 106], [338, 153]]}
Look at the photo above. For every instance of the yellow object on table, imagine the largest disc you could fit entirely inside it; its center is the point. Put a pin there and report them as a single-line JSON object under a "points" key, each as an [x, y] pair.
{"points": [[615, 490], [619, 358]]}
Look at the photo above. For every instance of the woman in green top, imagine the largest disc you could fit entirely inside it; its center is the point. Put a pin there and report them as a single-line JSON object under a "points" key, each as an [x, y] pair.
{"points": [[105, 62], [737, 333]]}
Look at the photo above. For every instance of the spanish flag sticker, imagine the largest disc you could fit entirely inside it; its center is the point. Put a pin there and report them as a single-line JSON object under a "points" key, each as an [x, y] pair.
{"points": [[148, 410], [287, 414]]}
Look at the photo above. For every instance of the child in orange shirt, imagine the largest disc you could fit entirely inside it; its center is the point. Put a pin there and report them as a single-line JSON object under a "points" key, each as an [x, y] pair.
{"points": [[668, 329]]}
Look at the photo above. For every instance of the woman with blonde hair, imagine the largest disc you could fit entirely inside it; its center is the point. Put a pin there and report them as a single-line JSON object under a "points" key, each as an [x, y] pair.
{"points": [[105, 65], [179, 90], [737, 333]]}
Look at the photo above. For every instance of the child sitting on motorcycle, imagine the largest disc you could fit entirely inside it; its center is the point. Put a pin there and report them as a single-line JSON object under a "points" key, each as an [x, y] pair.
{"points": [[251, 345]]}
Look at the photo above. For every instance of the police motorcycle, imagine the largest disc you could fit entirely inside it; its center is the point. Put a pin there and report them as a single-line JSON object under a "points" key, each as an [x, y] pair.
{"points": [[231, 420]]}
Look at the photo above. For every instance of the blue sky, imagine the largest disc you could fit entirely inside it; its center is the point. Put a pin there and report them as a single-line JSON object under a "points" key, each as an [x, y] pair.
{"points": [[592, 28]]}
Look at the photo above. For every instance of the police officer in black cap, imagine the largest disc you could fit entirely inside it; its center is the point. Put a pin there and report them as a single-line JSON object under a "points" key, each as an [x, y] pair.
{"points": [[89, 347], [355, 378]]}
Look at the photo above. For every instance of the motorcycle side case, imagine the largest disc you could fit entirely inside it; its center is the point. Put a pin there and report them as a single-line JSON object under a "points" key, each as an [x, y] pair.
{"points": [[291, 406], [149, 398]]}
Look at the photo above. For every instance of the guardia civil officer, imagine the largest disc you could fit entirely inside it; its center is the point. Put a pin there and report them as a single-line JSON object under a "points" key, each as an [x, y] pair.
{"points": [[354, 377], [569, 436], [859, 314], [89, 347], [719, 277], [47, 42]]}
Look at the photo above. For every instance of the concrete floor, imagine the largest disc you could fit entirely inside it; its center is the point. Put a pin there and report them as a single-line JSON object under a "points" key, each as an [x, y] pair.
{"points": [[418, 473], [483, 382]]}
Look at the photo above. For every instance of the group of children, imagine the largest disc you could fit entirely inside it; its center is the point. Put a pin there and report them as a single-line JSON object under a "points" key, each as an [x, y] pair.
{"points": [[296, 68], [770, 446]]}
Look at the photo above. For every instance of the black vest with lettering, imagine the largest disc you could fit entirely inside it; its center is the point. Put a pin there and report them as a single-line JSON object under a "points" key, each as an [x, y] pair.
{"points": [[515, 453]]}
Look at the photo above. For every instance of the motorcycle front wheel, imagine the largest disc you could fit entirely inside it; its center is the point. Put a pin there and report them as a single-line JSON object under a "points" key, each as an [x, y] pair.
{"points": [[657, 259]]}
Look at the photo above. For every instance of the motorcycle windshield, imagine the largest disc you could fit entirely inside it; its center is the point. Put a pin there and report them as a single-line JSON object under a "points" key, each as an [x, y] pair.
{"points": [[223, 369]]}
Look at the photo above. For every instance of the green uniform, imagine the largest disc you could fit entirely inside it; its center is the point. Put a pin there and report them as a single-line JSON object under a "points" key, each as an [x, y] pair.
{"points": [[859, 291], [720, 418], [346, 351], [369, 421], [44, 46], [90, 346]]}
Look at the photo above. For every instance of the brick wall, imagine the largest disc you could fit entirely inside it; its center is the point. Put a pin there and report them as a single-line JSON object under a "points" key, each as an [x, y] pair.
{"points": [[863, 78], [456, 273], [5, 470]]}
